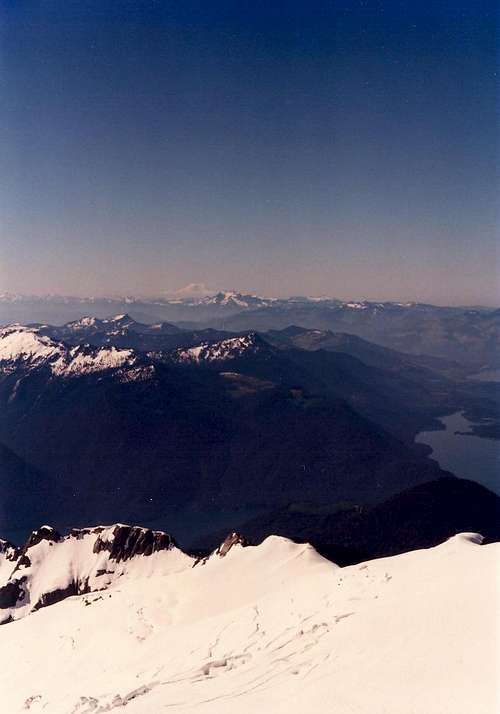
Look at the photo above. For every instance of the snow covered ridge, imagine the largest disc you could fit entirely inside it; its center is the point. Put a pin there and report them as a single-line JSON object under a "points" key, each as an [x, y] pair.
{"points": [[25, 346], [29, 348], [50, 567], [273, 628], [229, 349], [23, 343], [90, 323], [199, 295], [235, 299]]}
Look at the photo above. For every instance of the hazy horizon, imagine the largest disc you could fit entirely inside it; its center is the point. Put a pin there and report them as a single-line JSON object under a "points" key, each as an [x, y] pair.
{"points": [[279, 150], [175, 294]]}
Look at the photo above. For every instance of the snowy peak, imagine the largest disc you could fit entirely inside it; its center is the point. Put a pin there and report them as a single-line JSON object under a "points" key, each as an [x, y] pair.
{"points": [[227, 298], [84, 360], [90, 324], [84, 324], [223, 351], [106, 331], [194, 290], [238, 300], [43, 533], [25, 347], [233, 539], [50, 567], [25, 344], [121, 320]]}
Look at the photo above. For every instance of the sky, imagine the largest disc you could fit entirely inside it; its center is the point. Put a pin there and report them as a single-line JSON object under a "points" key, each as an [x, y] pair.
{"points": [[325, 148]]}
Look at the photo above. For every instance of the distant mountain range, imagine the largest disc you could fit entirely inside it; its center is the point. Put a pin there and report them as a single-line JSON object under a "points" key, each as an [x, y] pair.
{"points": [[108, 418], [300, 443], [468, 335], [117, 431]]}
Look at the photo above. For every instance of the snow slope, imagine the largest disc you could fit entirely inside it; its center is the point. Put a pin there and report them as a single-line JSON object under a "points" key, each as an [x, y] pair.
{"points": [[26, 347], [50, 568], [272, 629]]}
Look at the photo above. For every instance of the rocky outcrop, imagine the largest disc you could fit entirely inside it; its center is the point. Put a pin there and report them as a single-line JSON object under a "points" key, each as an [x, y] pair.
{"points": [[11, 594], [50, 567], [223, 549], [43, 533], [125, 542], [74, 588], [8, 550], [230, 540]]}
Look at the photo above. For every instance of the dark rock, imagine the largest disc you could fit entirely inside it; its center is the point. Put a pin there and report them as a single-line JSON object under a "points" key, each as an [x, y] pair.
{"points": [[128, 541], [232, 539], [222, 550], [78, 533], [44, 533], [12, 593], [9, 550], [74, 588]]}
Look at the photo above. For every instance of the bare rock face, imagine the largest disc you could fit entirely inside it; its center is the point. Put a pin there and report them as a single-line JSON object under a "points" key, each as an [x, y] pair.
{"points": [[128, 541], [42, 533], [11, 593], [9, 551], [223, 549], [53, 596], [231, 539]]}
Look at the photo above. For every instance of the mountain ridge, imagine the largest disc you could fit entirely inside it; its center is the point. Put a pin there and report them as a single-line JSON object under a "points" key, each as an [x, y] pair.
{"points": [[470, 335], [266, 628]]}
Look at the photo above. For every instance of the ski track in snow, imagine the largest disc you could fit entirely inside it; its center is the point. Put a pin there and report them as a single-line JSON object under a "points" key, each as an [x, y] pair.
{"points": [[270, 629]]}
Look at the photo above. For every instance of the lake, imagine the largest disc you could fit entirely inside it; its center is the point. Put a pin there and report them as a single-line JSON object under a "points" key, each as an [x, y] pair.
{"points": [[468, 457]]}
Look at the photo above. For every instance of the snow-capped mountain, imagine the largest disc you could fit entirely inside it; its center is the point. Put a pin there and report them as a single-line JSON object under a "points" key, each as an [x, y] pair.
{"points": [[223, 351], [238, 300], [193, 290], [26, 348], [122, 331], [255, 418], [51, 567], [467, 335], [273, 628], [118, 324], [95, 324]]}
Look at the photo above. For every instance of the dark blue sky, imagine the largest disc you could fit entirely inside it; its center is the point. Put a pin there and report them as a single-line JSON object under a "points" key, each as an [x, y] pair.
{"points": [[347, 148]]}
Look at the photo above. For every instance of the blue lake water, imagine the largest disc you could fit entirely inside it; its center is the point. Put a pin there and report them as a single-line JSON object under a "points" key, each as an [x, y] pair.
{"points": [[465, 456]]}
